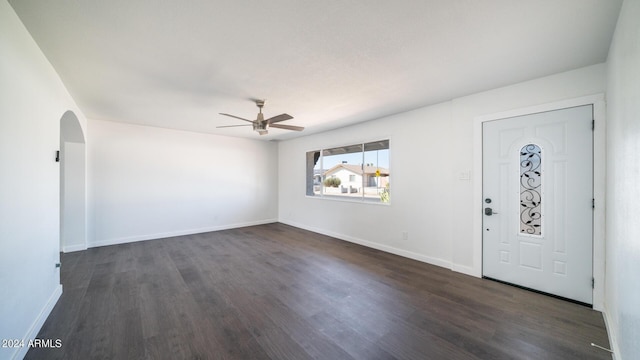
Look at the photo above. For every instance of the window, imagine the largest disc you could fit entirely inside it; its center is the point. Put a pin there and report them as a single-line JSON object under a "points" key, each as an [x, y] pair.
{"points": [[531, 190], [357, 172]]}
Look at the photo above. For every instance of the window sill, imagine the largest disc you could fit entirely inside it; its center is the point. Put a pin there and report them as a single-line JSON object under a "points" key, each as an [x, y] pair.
{"points": [[348, 200]]}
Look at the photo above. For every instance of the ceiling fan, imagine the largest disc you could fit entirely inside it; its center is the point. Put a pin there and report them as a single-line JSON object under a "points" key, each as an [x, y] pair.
{"points": [[261, 125]]}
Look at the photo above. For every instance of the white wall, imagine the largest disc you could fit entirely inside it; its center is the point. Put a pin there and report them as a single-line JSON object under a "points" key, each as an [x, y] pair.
{"points": [[431, 150], [568, 85], [622, 300], [148, 183], [414, 207], [32, 102]]}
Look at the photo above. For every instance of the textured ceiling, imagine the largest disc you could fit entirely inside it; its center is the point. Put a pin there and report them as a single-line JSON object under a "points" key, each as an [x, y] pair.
{"points": [[177, 64]]}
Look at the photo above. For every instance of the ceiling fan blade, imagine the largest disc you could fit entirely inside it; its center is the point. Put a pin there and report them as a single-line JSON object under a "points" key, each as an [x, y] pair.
{"points": [[287, 127], [226, 126], [237, 117], [278, 118]]}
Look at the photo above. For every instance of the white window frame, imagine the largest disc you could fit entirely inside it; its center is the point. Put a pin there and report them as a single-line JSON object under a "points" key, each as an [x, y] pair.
{"points": [[360, 199]]}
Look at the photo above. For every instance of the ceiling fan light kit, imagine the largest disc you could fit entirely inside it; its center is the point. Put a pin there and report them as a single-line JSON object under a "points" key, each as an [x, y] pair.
{"points": [[261, 125]]}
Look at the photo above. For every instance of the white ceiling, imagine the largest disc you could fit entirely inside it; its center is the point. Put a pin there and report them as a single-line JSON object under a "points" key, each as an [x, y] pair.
{"points": [[177, 64]]}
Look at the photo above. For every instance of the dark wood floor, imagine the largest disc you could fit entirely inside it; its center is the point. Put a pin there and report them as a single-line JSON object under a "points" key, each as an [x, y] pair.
{"points": [[278, 292]]}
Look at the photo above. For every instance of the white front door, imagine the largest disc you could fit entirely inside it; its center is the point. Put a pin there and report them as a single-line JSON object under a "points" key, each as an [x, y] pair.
{"points": [[537, 201]]}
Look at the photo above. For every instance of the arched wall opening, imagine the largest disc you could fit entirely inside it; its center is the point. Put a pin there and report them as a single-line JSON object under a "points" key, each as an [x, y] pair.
{"points": [[73, 228]]}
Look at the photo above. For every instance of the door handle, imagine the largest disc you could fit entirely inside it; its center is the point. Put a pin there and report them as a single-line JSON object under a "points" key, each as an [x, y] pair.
{"points": [[489, 211]]}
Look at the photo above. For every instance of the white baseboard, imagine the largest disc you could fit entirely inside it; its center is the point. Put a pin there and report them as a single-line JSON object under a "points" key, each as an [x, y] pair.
{"points": [[377, 246], [128, 239], [613, 339], [33, 331], [72, 248], [467, 270]]}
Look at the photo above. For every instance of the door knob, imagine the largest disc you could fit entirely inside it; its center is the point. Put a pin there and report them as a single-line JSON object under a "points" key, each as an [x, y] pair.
{"points": [[489, 211]]}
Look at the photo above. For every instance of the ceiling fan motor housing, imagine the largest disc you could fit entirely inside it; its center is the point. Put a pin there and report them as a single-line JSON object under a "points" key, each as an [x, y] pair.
{"points": [[260, 125]]}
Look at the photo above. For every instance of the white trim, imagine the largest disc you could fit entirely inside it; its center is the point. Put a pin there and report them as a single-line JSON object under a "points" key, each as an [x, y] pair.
{"points": [[33, 331], [613, 339], [347, 198], [599, 176], [467, 270], [350, 143], [128, 239], [73, 248], [599, 188], [381, 247]]}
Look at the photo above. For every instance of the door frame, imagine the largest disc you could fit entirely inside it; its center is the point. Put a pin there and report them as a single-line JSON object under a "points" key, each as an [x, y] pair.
{"points": [[599, 176]]}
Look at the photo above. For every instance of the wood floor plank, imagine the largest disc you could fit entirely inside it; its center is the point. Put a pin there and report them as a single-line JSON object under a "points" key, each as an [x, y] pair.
{"points": [[348, 338], [278, 292]]}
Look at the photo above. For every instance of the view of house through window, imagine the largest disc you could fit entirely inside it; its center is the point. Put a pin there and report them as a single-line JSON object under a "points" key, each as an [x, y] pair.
{"points": [[359, 172]]}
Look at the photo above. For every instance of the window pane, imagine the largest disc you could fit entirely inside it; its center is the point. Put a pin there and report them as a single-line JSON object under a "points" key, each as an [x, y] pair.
{"points": [[359, 172], [342, 169], [376, 171], [314, 173], [530, 190]]}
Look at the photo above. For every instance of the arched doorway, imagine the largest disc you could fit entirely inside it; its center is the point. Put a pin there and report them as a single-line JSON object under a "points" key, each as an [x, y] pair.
{"points": [[72, 184]]}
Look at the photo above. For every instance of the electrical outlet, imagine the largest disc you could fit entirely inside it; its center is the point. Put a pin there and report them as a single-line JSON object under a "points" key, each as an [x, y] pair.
{"points": [[405, 235]]}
